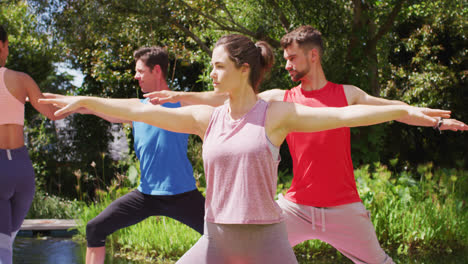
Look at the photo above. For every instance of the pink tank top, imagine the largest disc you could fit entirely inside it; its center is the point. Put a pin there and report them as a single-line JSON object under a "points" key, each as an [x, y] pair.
{"points": [[12, 110], [240, 168]]}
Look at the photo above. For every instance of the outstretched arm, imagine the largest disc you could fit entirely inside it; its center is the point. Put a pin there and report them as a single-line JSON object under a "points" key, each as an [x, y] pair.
{"points": [[85, 111], [208, 98], [187, 98], [190, 119], [358, 96], [284, 118], [34, 94]]}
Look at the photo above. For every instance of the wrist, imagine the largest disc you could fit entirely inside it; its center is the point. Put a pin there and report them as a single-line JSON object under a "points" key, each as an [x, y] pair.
{"points": [[439, 123]]}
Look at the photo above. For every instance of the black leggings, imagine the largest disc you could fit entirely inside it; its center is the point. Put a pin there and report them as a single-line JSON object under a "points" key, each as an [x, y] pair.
{"points": [[134, 207]]}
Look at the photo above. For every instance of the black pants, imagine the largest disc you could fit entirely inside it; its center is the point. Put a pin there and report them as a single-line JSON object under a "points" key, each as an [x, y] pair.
{"points": [[134, 207]]}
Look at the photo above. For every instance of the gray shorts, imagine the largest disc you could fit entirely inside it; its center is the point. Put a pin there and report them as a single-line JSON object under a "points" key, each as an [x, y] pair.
{"points": [[348, 228]]}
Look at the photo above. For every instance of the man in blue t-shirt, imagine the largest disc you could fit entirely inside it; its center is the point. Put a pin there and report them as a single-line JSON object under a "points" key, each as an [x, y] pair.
{"points": [[167, 186]]}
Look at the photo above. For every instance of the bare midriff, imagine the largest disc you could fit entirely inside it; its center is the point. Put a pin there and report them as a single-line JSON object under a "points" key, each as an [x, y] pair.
{"points": [[11, 136]]}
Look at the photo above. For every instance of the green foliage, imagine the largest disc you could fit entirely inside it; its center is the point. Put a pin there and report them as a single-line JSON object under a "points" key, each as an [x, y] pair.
{"points": [[428, 68], [418, 216], [45, 206], [416, 212], [194, 153], [154, 239], [413, 51], [33, 51]]}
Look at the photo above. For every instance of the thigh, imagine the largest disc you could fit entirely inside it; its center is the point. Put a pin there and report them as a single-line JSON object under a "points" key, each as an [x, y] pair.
{"points": [[127, 210], [6, 192], [270, 245], [251, 243], [5, 218], [350, 230], [203, 252], [188, 208], [23, 193], [297, 220]]}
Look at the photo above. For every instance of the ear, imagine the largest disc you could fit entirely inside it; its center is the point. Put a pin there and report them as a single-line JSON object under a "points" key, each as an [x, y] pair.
{"points": [[245, 67], [156, 69], [314, 55]]}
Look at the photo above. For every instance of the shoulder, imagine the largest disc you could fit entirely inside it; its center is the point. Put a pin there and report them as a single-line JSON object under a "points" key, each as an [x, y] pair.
{"points": [[272, 95], [21, 76], [201, 112], [19, 81], [22, 79], [352, 93], [279, 109]]}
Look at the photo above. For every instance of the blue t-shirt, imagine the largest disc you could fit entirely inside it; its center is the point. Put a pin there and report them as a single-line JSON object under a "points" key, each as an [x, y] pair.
{"points": [[165, 168]]}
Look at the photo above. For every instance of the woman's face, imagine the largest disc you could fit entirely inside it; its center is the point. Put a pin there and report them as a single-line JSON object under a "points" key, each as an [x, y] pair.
{"points": [[224, 74]]}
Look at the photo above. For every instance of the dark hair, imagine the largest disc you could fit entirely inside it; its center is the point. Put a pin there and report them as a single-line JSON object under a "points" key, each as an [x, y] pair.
{"points": [[258, 56], [153, 56], [3, 34], [306, 37]]}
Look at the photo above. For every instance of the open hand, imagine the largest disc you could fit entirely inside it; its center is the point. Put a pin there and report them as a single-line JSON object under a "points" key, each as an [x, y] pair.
{"points": [[67, 104], [161, 97], [422, 116], [453, 124]]}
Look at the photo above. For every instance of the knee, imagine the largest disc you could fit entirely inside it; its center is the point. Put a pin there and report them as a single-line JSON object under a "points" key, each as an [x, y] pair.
{"points": [[95, 236]]}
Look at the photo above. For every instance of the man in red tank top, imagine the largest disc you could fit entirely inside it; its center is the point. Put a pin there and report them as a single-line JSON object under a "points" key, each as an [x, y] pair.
{"points": [[323, 201]]}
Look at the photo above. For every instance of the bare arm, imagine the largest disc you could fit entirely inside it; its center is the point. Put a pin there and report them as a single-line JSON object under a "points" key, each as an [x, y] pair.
{"points": [[190, 119], [34, 94], [284, 118], [187, 98], [354, 95], [208, 98], [272, 95], [86, 111]]}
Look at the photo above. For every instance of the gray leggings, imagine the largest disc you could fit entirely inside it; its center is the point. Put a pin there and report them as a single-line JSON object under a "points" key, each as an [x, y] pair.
{"points": [[241, 244]]}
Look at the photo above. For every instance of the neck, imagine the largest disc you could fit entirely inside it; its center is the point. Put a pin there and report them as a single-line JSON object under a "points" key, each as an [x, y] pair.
{"points": [[241, 101], [314, 80], [161, 86]]}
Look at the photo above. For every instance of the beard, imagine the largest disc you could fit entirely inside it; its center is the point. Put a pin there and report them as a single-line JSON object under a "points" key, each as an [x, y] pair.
{"points": [[297, 75]]}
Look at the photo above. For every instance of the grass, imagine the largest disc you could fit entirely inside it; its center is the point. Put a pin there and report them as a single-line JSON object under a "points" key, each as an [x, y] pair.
{"points": [[416, 215]]}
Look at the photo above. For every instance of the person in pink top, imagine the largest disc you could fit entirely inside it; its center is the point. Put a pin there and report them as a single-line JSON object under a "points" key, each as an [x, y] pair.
{"points": [[16, 170], [241, 139], [323, 201]]}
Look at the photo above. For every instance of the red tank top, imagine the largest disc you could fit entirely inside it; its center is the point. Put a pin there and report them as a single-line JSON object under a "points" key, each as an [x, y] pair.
{"points": [[322, 165]]}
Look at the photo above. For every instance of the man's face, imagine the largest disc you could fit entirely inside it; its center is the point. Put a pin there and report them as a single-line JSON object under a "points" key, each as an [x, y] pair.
{"points": [[297, 63], [147, 79]]}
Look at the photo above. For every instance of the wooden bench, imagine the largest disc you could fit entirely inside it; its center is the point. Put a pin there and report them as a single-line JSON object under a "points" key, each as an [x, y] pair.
{"points": [[48, 224]]}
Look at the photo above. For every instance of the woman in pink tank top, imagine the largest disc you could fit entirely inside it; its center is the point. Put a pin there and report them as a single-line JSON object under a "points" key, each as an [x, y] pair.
{"points": [[17, 174], [243, 224]]}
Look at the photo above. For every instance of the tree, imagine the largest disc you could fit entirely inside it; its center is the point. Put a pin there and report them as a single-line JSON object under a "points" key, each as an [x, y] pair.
{"points": [[361, 36], [32, 52]]}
